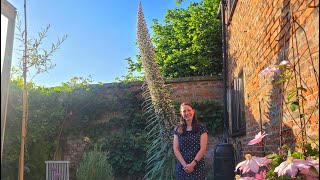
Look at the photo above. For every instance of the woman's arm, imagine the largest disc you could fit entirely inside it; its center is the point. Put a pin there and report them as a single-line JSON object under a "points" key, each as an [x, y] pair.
{"points": [[177, 152], [203, 146]]}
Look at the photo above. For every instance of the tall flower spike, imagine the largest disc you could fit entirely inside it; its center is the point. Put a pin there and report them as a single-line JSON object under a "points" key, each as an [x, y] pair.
{"points": [[159, 156]]}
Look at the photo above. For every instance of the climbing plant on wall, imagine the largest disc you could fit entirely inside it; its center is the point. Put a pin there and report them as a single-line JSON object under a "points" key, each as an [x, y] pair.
{"points": [[110, 116]]}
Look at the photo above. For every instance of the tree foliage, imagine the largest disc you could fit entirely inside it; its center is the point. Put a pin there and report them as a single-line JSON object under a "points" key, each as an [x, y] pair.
{"points": [[188, 41], [46, 111], [39, 55]]}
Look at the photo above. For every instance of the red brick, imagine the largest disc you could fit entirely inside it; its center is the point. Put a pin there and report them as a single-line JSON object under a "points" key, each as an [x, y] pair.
{"points": [[264, 44]]}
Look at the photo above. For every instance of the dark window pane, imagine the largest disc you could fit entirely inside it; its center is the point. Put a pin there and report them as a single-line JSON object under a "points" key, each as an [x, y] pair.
{"points": [[238, 106]]}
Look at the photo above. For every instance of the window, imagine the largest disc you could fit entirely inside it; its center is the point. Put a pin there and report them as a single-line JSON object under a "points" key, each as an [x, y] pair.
{"points": [[238, 106]]}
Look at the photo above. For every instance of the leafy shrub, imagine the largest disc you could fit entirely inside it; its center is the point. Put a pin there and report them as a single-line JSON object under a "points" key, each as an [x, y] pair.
{"points": [[95, 165]]}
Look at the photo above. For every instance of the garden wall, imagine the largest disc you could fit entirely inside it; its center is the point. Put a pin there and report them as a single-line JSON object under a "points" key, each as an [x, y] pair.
{"points": [[195, 89], [199, 88]]}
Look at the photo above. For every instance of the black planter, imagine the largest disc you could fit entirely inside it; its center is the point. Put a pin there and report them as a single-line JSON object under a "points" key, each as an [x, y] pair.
{"points": [[224, 163]]}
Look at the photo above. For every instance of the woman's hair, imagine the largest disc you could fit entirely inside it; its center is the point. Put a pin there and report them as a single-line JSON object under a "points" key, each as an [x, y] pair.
{"points": [[183, 124]]}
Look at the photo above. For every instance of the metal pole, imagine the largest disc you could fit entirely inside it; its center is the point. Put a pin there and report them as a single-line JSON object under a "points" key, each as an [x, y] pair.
{"points": [[225, 73]]}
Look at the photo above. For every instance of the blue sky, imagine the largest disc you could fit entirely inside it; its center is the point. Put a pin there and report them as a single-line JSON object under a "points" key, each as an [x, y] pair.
{"points": [[101, 34]]}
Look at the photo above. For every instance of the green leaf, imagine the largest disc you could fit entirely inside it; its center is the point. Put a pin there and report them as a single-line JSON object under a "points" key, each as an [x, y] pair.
{"points": [[291, 93], [297, 155], [280, 81], [294, 106], [302, 89], [271, 156]]}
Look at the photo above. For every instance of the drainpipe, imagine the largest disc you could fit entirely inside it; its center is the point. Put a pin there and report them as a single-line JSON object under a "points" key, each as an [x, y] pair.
{"points": [[225, 73], [224, 163]]}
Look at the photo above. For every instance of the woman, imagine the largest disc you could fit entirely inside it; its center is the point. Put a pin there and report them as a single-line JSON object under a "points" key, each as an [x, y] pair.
{"points": [[189, 145]]}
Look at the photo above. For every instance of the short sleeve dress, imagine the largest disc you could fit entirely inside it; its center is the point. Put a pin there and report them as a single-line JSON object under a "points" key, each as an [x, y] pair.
{"points": [[189, 145]]}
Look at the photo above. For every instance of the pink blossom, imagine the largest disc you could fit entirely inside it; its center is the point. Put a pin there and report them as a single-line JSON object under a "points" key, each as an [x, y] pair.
{"points": [[238, 177], [261, 175], [252, 163], [291, 167], [269, 70], [265, 71], [311, 175], [258, 138], [313, 162], [275, 70], [285, 62], [258, 176]]}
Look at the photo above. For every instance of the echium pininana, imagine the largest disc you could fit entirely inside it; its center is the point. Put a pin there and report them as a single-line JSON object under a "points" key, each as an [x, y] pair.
{"points": [[160, 155]]}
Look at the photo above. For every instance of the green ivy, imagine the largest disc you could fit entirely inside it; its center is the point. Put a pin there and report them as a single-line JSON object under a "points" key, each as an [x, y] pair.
{"points": [[46, 111], [124, 136], [127, 153], [208, 112]]}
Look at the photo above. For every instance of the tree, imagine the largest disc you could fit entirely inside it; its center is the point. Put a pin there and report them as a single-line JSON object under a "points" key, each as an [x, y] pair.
{"points": [[37, 58], [188, 42]]}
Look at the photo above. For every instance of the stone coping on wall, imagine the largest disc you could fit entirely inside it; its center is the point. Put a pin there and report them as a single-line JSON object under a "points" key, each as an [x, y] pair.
{"points": [[168, 81], [194, 79]]}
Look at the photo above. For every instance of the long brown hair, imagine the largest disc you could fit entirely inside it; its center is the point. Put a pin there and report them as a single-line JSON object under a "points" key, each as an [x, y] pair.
{"points": [[183, 124]]}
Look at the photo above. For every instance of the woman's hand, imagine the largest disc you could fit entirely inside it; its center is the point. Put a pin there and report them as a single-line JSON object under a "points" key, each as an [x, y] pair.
{"points": [[189, 168]]}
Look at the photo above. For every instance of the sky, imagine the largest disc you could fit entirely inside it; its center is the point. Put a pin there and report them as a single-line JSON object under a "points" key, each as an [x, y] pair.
{"points": [[101, 34], [4, 26]]}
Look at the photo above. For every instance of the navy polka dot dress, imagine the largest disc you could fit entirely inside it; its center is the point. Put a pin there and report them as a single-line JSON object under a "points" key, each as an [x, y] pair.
{"points": [[189, 145]]}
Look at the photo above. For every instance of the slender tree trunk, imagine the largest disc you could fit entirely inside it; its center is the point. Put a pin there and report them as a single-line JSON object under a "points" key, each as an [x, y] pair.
{"points": [[24, 100]]}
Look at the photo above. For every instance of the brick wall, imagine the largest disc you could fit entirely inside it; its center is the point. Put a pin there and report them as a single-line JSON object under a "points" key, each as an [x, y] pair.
{"points": [[261, 33], [198, 88], [181, 89]]}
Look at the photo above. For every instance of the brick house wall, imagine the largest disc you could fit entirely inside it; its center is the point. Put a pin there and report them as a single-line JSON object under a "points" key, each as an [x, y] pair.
{"points": [[261, 33]]}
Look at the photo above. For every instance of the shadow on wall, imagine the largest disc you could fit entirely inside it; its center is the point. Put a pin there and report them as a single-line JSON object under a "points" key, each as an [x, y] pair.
{"points": [[269, 144]]}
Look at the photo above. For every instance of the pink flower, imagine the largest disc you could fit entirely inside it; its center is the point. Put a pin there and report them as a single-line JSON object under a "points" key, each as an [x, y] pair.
{"points": [[313, 162], [252, 163], [258, 138], [265, 71], [275, 70], [285, 62], [308, 172], [269, 70], [238, 177], [291, 167], [258, 176], [261, 175]]}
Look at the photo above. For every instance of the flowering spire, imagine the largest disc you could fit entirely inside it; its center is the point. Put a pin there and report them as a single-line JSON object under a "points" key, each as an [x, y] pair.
{"points": [[159, 94], [160, 157]]}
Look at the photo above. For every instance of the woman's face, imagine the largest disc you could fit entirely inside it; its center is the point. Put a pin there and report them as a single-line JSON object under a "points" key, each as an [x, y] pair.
{"points": [[187, 112]]}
